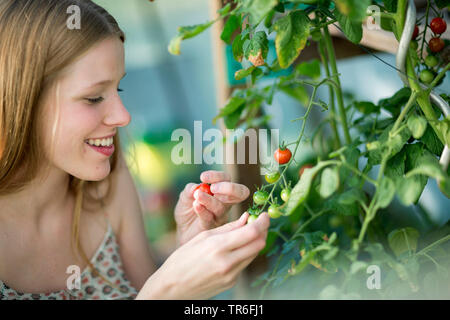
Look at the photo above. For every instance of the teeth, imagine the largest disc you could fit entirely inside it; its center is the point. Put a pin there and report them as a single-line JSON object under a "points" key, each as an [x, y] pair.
{"points": [[101, 142]]}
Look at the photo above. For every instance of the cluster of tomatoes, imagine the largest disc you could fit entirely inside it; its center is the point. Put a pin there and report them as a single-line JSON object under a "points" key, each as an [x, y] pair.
{"points": [[435, 45], [282, 156]]}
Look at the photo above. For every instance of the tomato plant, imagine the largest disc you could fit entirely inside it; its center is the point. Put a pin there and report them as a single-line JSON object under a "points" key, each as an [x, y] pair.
{"points": [[438, 25], [337, 219], [272, 177]]}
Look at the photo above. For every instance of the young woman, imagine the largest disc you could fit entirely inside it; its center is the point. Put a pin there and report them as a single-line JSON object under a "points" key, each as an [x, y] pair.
{"points": [[67, 199]]}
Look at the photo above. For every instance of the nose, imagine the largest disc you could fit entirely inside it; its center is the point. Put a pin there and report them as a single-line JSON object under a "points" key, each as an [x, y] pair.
{"points": [[116, 114]]}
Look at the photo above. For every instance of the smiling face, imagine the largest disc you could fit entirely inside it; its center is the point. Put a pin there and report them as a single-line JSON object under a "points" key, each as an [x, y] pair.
{"points": [[82, 111]]}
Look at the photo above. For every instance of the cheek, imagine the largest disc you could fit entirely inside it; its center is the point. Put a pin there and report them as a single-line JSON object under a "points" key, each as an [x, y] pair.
{"points": [[76, 123]]}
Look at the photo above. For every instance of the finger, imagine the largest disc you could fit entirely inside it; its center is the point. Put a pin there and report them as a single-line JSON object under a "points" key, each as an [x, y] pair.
{"points": [[236, 190], [206, 217], [231, 225], [211, 203], [188, 191], [213, 176], [242, 236]]}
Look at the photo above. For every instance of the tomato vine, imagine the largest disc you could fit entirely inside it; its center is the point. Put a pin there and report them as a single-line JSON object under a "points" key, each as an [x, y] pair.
{"points": [[330, 218]]}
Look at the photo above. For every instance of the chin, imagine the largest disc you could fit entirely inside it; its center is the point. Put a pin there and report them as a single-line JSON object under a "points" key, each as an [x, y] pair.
{"points": [[96, 173]]}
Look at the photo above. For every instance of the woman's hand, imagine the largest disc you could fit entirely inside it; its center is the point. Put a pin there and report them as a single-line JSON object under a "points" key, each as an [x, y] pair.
{"points": [[209, 263], [198, 211]]}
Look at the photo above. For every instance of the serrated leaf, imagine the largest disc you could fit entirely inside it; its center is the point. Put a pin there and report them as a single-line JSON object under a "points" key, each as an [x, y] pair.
{"points": [[432, 142], [292, 34]]}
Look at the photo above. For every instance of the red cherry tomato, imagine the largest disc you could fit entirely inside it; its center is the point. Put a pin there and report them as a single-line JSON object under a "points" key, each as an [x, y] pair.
{"points": [[205, 187], [415, 33], [306, 166], [438, 25], [436, 44], [282, 156]]}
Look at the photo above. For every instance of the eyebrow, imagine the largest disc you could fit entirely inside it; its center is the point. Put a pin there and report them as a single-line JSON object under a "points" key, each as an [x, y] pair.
{"points": [[104, 82]]}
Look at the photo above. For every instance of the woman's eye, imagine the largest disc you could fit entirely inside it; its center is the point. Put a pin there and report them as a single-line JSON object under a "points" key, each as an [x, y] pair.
{"points": [[95, 100], [119, 90]]}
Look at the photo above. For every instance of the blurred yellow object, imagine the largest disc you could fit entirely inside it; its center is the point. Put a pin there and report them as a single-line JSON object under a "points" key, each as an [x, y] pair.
{"points": [[147, 165]]}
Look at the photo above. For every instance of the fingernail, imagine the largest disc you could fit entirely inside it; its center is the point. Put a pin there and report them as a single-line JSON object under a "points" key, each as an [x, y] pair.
{"points": [[213, 188]]}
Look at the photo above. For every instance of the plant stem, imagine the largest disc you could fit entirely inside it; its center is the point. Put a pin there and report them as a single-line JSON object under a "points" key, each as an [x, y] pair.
{"points": [[425, 30], [409, 104], [426, 249], [337, 140], [340, 99]]}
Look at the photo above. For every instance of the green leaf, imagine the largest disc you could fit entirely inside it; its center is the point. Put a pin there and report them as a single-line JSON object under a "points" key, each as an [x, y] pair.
{"points": [[409, 189], [258, 9], [378, 148], [297, 92], [442, 3], [353, 9], [231, 120], [233, 23], [329, 182], [301, 190], [306, 259], [366, 107], [292, 34], [403, 240], [385, 192], [394, 104], [256, 48], [237, 47], [351, 196], [444, 126], [223, 11], [186, 32], [233, 104], [429, 166], [242, 73], [352, 30], [432, 142], [417, 125], [309, 68], [391, 5]]}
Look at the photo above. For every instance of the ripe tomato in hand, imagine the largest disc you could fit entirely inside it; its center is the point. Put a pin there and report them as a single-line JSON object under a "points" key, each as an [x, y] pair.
{"points": [[438, 25], [306, 166], [205, 187], [436, 44], [282, 156]]}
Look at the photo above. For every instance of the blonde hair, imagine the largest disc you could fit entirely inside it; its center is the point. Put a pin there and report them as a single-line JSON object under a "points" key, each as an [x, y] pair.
{"points": [[36, 45]]}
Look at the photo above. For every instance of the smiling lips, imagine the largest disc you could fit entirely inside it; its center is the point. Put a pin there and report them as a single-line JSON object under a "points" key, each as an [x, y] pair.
{"points": [[104, 146]]}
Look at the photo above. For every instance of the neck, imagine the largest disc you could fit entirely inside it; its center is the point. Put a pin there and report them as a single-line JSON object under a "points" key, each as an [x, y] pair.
{"points": [[45, 196]]}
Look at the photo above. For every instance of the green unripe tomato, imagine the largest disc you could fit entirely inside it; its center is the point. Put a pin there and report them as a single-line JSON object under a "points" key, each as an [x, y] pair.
{"points": [[251, 218], [285, 193], [414, 45], [335, 221], [260, 197], [426, 76], [274, 212], [272, 177], [431, 61]]}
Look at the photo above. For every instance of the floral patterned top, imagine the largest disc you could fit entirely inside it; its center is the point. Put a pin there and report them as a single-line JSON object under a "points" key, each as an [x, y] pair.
{"points": [[107, 261]]}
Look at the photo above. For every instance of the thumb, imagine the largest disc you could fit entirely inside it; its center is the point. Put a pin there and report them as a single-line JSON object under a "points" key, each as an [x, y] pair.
{"points": [[231, 225]]}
